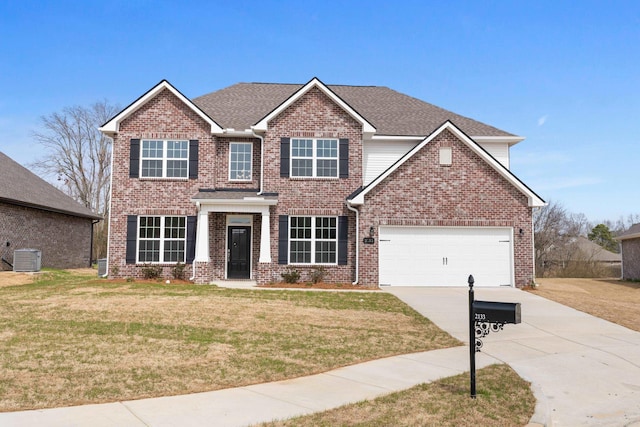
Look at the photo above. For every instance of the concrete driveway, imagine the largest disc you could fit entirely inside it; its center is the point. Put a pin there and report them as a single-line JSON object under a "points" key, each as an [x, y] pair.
{"points": [[583, 370]]}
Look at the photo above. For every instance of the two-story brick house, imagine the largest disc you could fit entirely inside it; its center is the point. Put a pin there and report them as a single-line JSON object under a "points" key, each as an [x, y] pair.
{"points": [[374, 186]]}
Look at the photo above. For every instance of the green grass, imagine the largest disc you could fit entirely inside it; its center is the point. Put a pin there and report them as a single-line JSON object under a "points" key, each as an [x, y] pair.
{"points": [[71, 339], [503, 399]]}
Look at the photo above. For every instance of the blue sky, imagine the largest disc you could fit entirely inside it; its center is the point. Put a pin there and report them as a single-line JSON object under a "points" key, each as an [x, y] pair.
{"points": [[563, 74]]}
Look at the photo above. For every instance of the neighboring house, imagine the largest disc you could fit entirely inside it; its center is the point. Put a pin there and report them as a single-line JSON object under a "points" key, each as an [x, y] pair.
{"points": [[581, 257], [630, 244], [36, 215], [374, 186]]}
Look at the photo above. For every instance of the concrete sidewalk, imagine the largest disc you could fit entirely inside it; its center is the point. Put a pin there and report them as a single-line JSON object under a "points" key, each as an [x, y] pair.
{"points": [[583, 370], [262, 402]]}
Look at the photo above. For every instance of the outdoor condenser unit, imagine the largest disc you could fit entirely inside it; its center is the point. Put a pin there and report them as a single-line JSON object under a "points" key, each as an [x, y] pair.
{"points": [[27, 260], [102, 267]]}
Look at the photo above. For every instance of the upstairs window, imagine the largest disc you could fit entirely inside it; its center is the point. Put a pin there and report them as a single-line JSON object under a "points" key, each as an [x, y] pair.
{"points": [[164, 159], [240, 160], [314, 158]]}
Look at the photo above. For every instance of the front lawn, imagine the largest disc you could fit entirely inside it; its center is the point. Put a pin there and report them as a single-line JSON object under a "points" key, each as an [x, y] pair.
{"points": [[614, 300], [71, 338], [503, 399]]}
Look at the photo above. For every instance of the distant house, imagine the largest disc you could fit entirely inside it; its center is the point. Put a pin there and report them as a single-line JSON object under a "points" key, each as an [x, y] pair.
{"points": [[36, 215], [630, 243], [581, 257]]}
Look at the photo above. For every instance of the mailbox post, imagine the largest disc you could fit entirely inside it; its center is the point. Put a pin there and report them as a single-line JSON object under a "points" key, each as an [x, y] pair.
{"points": [[484, 317]]}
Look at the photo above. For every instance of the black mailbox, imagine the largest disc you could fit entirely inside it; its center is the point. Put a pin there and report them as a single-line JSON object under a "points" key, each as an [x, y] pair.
{"points": [[496, 312]]}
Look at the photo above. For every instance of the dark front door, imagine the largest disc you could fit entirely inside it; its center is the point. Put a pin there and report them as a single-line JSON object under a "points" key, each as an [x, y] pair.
{"points": [[239, 253]]}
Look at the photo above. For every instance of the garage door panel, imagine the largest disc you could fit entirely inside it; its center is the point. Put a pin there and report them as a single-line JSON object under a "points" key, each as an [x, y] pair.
{"points": [[429, 256]]}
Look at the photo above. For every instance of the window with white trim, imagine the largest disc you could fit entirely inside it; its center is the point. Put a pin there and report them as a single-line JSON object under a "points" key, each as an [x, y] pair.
{"points": [[314, 158], [164, 159], [313, 240], [240, 160], [161, 239]]}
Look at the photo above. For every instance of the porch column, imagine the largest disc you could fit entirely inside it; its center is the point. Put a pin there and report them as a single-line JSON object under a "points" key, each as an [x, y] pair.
{"points": [[265, 237], [202, 237]]}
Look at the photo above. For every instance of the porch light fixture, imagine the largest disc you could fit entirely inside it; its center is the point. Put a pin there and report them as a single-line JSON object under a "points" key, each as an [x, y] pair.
{"points": [[521, 232], [371, 231]]}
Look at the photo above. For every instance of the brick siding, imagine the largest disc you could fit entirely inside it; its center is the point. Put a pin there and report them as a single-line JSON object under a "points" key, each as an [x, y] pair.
{"points": [[469, 193], [631, 259], [421, 192], [64, 240], [163, 117], [314, 115]]}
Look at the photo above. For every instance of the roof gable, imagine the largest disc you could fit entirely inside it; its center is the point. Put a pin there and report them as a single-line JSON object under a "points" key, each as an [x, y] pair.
{"points": [[262, 124], [357, 198], [391, 113], [112, 126], [22, 187]]}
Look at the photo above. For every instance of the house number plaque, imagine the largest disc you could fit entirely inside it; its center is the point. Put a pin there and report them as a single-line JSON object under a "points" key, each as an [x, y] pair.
{"points": [[369, 240]]}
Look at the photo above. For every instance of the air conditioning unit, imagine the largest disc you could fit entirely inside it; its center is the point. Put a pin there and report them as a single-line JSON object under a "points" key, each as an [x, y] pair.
{"points": [[27, 260], [102, 267]]}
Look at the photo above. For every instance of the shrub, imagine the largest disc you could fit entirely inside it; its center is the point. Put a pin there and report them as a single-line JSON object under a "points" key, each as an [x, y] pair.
{"points": [[318, 274], [178, 271], [151, 271], [291, 276]]}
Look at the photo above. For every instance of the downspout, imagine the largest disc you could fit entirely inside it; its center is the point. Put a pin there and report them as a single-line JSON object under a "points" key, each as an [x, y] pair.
{"points": [[255, 135], [533, 244], [193, 266], [355, 282], [110, 197], [91, 243]]}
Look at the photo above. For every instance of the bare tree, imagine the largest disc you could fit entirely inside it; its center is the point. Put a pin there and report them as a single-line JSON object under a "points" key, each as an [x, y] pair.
{"points": [[79, 156], [555, 232]]}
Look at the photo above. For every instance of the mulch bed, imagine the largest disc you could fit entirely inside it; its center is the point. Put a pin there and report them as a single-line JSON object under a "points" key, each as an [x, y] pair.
{"points": [[320, 285]]}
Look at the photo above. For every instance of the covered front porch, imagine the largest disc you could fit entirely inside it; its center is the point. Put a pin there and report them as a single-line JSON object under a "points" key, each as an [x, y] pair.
{"points": [[233, 234]]}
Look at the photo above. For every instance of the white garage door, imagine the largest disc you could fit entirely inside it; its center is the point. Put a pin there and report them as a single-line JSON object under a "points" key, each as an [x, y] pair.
{"points": [[430, 256]]}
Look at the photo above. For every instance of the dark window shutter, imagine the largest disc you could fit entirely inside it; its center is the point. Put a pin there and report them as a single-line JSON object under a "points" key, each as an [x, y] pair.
{"points": [[193, 159], [285, 155], [283, 239], [344, 158], [132, 234], [134, 159], [191, 239], [343, 237]]}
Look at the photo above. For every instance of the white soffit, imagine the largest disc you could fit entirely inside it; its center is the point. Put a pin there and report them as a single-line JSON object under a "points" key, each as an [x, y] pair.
{"points": [[511, 140]]}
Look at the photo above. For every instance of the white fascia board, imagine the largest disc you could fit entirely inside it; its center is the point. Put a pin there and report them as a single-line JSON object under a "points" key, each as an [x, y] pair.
{"points": [[112, 127], [534, 200], [627, 237], [398, 137], [367, 128], [511, 140]]}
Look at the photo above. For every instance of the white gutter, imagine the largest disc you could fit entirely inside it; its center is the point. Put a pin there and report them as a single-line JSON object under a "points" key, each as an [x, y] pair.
{"points": [[193, 266], [355, 282], [110, 195]]}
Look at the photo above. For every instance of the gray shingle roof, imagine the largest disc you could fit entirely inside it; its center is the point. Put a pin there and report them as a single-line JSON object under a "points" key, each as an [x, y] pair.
{"points": [[392, 113], [632, 233], [22, 187]]}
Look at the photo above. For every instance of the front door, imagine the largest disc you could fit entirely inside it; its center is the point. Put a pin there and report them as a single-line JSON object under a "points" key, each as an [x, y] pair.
{"points": [[239, 253]]}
